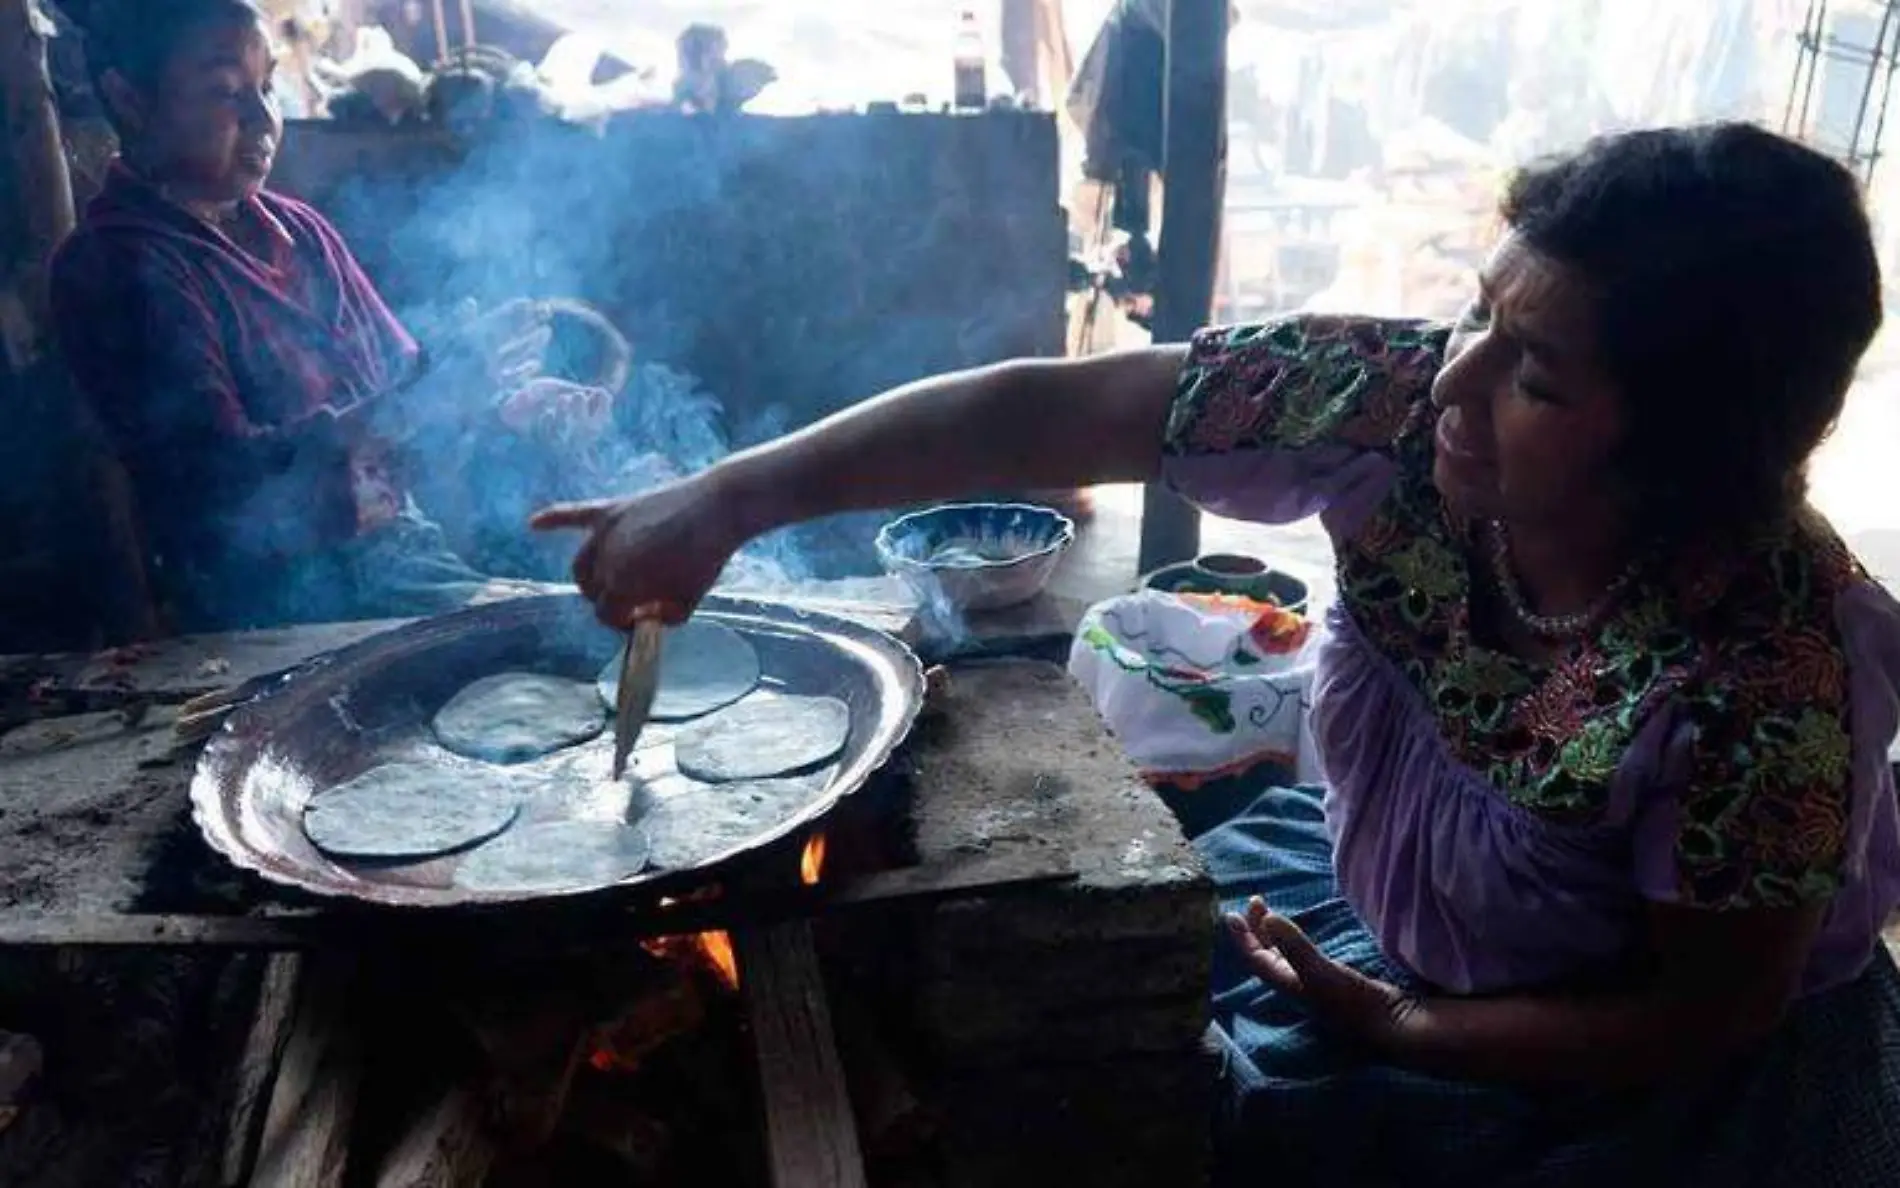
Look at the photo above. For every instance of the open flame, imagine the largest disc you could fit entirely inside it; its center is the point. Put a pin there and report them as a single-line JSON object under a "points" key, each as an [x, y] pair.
{"points": [[811, 864], [716, 948], [647, 1023], [710, 951], [622, 1049]]}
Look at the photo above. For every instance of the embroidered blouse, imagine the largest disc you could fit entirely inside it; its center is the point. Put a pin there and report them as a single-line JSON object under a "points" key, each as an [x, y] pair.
{"points": [[1721, 741]]}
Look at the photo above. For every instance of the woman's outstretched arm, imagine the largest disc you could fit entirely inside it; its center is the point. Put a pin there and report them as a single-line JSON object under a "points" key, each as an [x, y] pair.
{"points": [[1012, 426]]}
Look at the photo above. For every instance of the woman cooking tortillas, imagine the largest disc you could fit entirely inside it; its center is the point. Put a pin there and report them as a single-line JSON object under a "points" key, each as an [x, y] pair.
{"points": [[1595, 890]]}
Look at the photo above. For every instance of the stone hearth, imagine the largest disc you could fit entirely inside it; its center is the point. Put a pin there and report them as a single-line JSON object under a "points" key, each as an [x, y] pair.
{"points": [[1049, 1027]]}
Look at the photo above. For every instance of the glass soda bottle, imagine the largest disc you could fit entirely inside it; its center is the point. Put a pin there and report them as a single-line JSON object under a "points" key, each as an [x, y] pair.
{"points": [[972, 89]]}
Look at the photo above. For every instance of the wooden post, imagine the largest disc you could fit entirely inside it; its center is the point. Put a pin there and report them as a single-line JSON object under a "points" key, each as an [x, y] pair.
{"points": [[1035, 51], [1194, 180], [32, 151], [37, 159]]}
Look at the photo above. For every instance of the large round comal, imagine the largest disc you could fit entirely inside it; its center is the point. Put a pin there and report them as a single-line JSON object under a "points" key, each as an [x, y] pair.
{"points": [[376, 705]]}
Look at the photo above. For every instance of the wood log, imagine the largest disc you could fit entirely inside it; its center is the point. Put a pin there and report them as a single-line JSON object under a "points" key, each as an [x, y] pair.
{"points": [[448, 1147], [536, 1023], [306, 1139], [894, 1118], [236, 1054], [607, 1120], [527, 1086], [811, 1133], [256, 1074], [651, 1020]]}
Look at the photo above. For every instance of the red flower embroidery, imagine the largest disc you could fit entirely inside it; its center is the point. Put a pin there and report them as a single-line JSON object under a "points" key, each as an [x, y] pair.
{"points": [[1810, 668], [1557, 708], [1192, 676], [1228, 416], [1278, 633]]}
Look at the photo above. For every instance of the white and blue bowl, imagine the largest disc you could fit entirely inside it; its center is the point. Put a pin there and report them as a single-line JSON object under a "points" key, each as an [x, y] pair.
{"points": [[976, 556]]}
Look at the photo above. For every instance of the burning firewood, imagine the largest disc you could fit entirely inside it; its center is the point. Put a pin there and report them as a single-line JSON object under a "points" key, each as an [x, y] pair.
{"points": [[448, 1147], [532, 1067], [606, 1010], [651, 1021], [606, 1119], [936, 688]]}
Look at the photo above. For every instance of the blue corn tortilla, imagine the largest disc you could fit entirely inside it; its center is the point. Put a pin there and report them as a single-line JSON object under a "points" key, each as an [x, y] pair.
{"points": [[766, 735], [694, 827], [555, 856], [513, 717], [703, 667], [410, 810]]}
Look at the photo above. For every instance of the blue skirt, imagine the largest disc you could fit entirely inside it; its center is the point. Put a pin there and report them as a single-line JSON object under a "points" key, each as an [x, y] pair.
{"points": [[1819, 1105]]}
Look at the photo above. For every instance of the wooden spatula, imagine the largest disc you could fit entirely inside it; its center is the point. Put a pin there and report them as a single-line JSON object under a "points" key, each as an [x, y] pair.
{"points": [[639, 681]]}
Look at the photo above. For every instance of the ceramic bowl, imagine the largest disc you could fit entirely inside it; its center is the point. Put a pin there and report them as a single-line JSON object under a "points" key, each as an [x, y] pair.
{"points": [[1232, 573], [976, 556]]}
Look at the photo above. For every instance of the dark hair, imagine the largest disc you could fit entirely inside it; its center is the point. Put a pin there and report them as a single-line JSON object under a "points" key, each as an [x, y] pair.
{"points": [[1736, 287], [136, 39]]}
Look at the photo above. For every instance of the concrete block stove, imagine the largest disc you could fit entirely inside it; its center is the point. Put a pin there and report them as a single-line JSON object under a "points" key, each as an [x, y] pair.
{"points": [[1000, 978]]}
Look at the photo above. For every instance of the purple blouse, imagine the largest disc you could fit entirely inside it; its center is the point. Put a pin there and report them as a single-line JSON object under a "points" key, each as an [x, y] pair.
{"points": [[1720, 741]]}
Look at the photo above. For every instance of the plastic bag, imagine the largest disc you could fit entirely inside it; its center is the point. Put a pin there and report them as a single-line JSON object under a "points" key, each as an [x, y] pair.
{"points": [[1198, 687]]}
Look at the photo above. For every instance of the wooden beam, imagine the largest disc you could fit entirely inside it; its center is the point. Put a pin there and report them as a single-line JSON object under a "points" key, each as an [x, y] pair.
{"points": [[1194, 181], [571, 924], [37, 159], [35, 154], [811, 1133]]}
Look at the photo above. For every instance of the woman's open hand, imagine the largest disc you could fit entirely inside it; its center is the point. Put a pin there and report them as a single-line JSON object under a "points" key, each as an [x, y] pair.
{"points": [[1341, 997], [653, 555], [512, 340], [557, 410]]}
